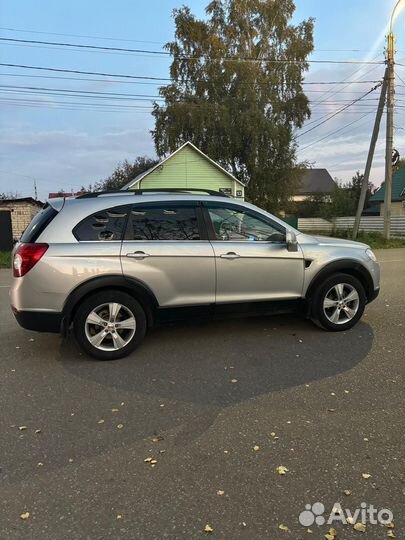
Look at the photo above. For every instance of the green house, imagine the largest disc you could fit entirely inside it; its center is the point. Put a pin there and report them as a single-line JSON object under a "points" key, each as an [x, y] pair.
{"points": [[188, 167], [376, 201]]}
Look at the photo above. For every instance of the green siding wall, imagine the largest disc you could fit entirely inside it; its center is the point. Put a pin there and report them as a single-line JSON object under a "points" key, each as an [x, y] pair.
{"points": [[188, 169]]}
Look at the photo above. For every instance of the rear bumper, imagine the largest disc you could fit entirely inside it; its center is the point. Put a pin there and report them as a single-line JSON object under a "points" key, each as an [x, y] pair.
{"points": [[39, 321]]}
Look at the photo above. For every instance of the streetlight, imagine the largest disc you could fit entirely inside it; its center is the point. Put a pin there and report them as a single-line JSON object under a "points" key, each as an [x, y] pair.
{"points": [[390, 122]]}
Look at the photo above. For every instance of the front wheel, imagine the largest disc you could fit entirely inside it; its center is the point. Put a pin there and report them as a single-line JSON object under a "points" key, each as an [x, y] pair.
{"points": [[109, 325], [339, 302]]}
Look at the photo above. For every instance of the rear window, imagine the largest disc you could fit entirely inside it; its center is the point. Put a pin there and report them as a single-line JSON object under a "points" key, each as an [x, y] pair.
{"points": [[103, 226], [38, 224]]}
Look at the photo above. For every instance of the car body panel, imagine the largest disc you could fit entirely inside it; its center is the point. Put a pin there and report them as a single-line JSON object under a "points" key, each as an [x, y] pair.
{"points": [[179, 273], [261, 271]]}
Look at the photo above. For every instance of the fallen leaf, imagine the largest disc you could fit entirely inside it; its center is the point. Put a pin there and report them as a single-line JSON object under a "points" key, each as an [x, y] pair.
{"points": [[347, 492], [283, 527], [162, 451], [70, 460], [153, 461], [208, 529], [38, 431], [243, 524], [331, 534], [366, 475], [114, 410], [22, 428], [350, 520], [100, 421], [157, 439], [359, 527], [40, 464], [256, 448], [119, 516], [310, 531], [122, 403], [272, 434], [148, 459], [390, 525], [220, 492], [25, 515], [234, 380], [391, 534], [281, 469], [120, 426], [31, 339]]}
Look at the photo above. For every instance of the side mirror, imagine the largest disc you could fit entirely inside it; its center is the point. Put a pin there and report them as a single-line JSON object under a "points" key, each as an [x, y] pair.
{"points": [[291, 239]]}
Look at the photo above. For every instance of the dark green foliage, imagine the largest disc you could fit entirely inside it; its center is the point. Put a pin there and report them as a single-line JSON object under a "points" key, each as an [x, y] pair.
{"points": [[230, 96], [124, 173]]}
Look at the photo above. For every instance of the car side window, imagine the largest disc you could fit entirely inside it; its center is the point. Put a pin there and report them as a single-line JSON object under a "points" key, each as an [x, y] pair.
{"points": [[231, 224], [162, 222], [105, 225]]}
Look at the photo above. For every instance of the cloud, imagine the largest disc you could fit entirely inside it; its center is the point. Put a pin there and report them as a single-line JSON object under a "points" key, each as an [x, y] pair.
{"points": [[65, 159]]}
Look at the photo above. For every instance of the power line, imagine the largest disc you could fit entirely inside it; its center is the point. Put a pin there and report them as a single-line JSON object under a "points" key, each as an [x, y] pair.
{"points": [[336, 131], [154, 84], [339, 111], [101, 74], [186, 57], [116, 95]]}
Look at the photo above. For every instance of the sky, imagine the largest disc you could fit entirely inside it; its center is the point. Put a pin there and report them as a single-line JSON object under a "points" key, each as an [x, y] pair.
{"points": [[65, 142]]}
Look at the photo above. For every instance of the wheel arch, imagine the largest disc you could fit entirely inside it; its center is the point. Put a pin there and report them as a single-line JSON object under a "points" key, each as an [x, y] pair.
{"points": [[137, 289], [346, 266]]}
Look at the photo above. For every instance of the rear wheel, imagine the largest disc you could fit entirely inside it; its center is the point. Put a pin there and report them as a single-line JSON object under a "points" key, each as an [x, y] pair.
{"points": [[338, 303], [109, 325]]}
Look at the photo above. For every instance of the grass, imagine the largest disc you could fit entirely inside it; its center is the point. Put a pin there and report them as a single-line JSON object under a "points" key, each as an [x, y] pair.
{"points": [[5, 259], [374, 239]]}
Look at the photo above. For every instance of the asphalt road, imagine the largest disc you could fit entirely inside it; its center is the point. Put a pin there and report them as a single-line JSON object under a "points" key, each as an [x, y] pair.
{"points": [[220, 406]]}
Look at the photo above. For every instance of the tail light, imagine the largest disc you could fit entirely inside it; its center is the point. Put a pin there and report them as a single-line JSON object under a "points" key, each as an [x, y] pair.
{"points": [[26, 256]]}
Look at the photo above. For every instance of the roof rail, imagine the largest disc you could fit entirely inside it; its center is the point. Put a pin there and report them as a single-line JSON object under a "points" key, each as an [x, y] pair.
{"points": [[150, 191]]}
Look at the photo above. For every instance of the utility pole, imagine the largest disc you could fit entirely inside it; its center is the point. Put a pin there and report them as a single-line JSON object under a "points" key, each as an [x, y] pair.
{"points": [[35, 190], [374, 137], [390, 123], [389, 136]]}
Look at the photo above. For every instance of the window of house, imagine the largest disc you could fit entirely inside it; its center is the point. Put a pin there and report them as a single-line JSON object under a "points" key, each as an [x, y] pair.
{"points": [[105, 225], [237, 225], [163, 222]]}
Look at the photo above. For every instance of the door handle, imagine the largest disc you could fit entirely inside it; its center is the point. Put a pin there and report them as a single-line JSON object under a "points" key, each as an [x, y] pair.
{"points": [[230, 255], [138, 255]]}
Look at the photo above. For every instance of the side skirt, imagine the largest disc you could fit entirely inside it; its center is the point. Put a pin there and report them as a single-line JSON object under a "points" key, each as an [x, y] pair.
{"points": [[231, 310]]}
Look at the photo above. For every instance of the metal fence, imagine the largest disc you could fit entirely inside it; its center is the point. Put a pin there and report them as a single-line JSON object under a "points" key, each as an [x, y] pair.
{"points": [[367, 224]]}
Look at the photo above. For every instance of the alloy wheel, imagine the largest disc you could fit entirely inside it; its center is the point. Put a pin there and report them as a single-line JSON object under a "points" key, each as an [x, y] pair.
{"points": [[341, 303], [110, 326]]}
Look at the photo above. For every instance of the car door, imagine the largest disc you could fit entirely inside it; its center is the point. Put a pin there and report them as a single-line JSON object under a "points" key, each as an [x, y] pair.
{"points": [[252, 259], [166, 247]]}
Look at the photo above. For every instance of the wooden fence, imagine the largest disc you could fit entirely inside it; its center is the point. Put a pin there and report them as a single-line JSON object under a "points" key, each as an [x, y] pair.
{"points": [[367, 224]]}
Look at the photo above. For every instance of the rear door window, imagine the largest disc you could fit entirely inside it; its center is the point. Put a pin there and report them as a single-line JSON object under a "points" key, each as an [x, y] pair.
{"points": [[103, 226], [163, 222]]}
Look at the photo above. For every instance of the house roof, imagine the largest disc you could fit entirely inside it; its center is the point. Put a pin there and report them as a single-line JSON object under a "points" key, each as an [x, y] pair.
{"points": [[316, 181], [141, 176], [398, 188], [22, 200]]}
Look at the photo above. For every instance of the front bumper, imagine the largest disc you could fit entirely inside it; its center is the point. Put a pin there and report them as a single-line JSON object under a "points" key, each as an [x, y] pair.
{"points": [[39, 321], [372, 296]]}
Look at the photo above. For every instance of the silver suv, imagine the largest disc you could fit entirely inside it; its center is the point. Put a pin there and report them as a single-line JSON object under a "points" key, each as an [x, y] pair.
{"points": [[110, 265]]}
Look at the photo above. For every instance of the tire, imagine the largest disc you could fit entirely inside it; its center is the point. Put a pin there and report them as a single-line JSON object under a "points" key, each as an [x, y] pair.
{"points": [[109, 324], [338, 303]]}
